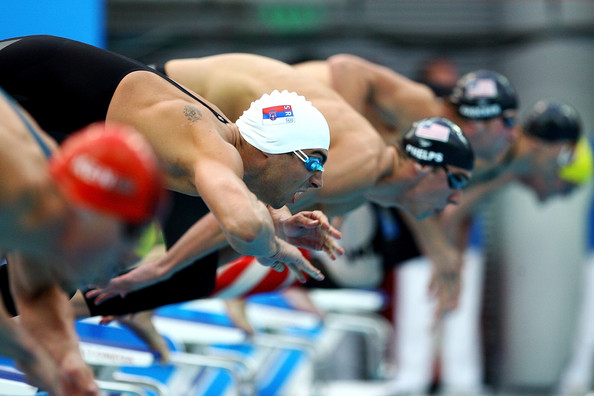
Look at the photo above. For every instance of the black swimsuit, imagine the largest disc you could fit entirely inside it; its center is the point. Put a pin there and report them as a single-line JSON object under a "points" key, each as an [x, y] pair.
{"points": [[4, 280], [66, 85]]}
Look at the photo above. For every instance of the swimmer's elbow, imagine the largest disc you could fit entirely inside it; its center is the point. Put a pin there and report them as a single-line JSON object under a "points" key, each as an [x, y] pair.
{"points": [[244, 232], [250, 235], [344, 60]]}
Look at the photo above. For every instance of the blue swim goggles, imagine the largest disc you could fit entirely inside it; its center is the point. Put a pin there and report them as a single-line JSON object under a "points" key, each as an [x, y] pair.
{"points": [[312, 164], [456, 181]]}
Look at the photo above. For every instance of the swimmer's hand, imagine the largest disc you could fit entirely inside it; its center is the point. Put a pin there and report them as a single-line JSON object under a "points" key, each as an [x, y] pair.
{"points": [[291, 257], [311, 230], [41, 370], [77, 377], [446, 284], [138, 278], [147, 272]]}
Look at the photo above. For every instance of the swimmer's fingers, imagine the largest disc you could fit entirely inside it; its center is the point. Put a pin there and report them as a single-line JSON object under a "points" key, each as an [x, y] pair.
{"points": [[332, 248], [298, 270], [330, 230], [120, 285], [309, 228], [106, 296], [291, 257], [105, 320], [298, 274], [445, 286], [93, 293], [312, 271], [334, 233], [99, 291], [304, 266], [280, 267], [101, 295], [325, 224]]}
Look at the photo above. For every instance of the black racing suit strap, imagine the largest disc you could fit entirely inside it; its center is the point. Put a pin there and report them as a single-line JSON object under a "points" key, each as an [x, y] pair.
{"points": [[44, 147]]}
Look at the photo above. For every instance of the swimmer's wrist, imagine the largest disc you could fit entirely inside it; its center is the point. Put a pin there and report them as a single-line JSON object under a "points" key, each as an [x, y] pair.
{"points": [[275, 250], [25, 353], [279, 217]]}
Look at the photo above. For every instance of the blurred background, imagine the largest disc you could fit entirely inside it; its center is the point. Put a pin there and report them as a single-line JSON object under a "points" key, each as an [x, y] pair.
{"points": [[537, 252]]}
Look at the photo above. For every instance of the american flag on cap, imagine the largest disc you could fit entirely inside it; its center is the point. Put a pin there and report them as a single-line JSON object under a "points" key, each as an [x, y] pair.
{"points": [[482, 88], [433, 131]]}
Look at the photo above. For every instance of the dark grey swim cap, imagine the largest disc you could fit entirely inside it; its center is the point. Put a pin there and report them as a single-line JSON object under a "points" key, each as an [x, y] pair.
{"points": [[553, 120]]}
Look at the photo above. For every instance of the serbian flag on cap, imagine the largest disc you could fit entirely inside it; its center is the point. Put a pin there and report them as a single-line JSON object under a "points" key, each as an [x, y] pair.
{"points": [[276, 115]]}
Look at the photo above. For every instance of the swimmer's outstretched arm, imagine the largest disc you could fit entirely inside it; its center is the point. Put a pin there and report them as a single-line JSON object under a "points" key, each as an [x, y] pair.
{"points": [[443, 238], [446, 259], [398, 100], [45, 313], [245, 220], [474, 196], [305, 229], [452, 231]]}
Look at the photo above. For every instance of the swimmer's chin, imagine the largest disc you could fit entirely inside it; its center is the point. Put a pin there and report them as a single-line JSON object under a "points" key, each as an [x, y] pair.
{"points": [[296, 196], [428, 214]]}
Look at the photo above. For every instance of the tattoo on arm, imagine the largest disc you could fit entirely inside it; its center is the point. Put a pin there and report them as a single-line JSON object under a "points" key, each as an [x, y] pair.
{"points": [[192, 113]]}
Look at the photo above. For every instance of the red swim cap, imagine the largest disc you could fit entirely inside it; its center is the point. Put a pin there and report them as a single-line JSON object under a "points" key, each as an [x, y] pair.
{"points": [[111, 169]]}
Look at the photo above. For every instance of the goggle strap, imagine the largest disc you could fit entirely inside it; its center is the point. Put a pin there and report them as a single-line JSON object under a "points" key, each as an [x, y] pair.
{"points": [[301, 155]]}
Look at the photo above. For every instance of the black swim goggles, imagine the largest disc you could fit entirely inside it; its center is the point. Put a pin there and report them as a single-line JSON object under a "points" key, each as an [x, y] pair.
{"points": [[312, 164], [457, 181], [509, 122], [565, 156]]}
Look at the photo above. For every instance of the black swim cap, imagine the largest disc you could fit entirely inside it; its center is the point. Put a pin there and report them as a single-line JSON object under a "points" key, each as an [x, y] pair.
{"points": [[483, 94], [438, 141], [553, 120]]}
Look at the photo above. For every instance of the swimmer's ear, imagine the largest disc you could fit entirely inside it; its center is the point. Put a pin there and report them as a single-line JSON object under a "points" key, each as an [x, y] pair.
{"points": [[266, 155], [422, 169]]}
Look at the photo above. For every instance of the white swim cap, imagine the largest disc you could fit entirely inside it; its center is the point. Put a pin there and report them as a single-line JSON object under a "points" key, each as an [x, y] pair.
{"points": [[283, 122]]}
